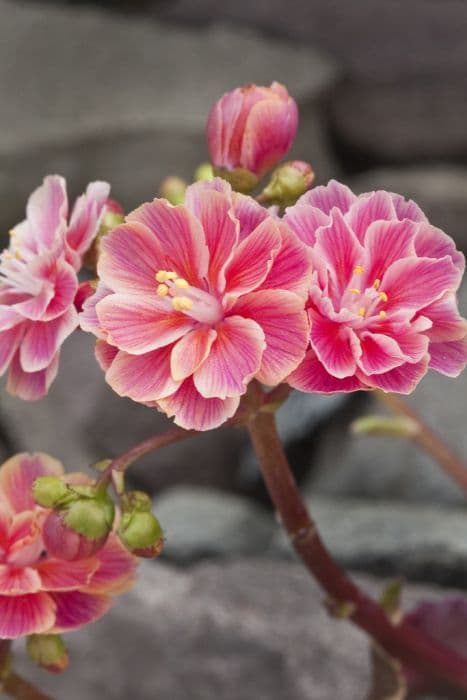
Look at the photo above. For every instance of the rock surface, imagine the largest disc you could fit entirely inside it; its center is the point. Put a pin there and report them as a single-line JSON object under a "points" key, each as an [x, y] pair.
{"points": [[220, 631]]}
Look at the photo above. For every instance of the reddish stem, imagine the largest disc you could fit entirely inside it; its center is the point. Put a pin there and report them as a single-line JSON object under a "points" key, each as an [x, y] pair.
{"points": [[401, 641], [19, 688], [428, 439]]}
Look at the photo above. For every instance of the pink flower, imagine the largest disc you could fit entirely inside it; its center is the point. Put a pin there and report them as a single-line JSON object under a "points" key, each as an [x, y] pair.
{"points": [[38, 283], [382, 304], [252, 128], [195, 300], [39, 593]]}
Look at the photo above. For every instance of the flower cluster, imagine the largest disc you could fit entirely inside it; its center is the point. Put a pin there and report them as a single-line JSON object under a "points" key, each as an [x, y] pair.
{"points": [[38, 283], [40, 593]]}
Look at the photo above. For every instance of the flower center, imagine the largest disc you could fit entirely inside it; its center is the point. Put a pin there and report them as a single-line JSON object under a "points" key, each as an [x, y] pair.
{"points": [[364, 302], [180, 296]]}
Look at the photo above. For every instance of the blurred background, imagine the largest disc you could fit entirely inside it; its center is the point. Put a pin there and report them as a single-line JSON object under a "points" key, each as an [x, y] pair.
{"points": [[120, 91]]}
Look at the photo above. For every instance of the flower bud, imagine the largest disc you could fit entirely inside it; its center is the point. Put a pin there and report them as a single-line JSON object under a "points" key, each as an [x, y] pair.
{"points": [[173, 189], [48, 651], [141, 533], [251, 128], [49, 490], [288, 182], [205, 172]]}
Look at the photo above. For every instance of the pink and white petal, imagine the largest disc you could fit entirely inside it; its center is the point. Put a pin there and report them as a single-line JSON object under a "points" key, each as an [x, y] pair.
{"points": [[447, 323], [105, 354], [414, 283], [407, 208], [142, 377], [26, 614], [86, 216], [25, 539], [34, 307], [401, 380], [116, 570], [380, 353], [330, 196], [340, 249], [180, 236], [65, 287], [414, 344], [336, 346], [311, 376], [88, 317], [75, 609], [192, 411], [191, 351], [431, 242], [292, 267], [59, 575], [269, 132], [16, 581], [450, 357], [371, 207], [249, 213], [386, 242], [139, 324], [31, 386], [130, 256], [233, 360], [9, 317], [305, 220], [9, 343], [282, 317], [18, 474], [253, 258], [42, 340], [47, 210]]}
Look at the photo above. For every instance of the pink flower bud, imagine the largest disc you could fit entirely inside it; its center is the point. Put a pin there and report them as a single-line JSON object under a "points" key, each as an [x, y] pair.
{"points": [[62, 542], [251, 128]]}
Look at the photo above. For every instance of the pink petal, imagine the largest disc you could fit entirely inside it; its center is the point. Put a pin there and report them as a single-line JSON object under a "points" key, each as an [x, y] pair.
{"points": [[253, 258], [431, 242], [292, 266], [65, 287], [116, 571], [139, 324], [282, 317], [380, 353], [401, 380], [180, 236], [130, 256], [9, 342], [407, 209], [25, 543], [386, 242], [450, 357], [58, 575], [42, 340], [17, 476], [105, 354], [86, 216], [47, 210], [88, 317], [26, 614], [448, 324], [75, 609], [305, 220], [333, 195], [336, 346], [249, 213], [234, 359], [193, 412], [191, 351], [142, 377], [18, 581], [30, 386], [9, 317], [413, 283], [35, 306], [312, 377], [375, 206]]}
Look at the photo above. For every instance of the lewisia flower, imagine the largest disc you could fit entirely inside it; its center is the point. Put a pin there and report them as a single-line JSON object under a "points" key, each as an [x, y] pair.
{"points": [[197, 299], [252, 128], [39, 593], [38, 283], [382, 304]]}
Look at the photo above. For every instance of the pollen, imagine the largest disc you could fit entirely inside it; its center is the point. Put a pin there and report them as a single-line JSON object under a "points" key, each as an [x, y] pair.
{"points": [[165, 275], [362, 312], [181, 283], [382, 314], [162, 290], [358, 270], [12, 233], [383, 296], [376, 283], [18, 255], [354, 290], [182, 303]]}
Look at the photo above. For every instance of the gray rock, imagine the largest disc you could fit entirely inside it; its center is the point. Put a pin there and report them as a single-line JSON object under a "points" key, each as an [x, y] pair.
{"points": [[126, 99], [201, 522], [390, 538], [440, 191]]}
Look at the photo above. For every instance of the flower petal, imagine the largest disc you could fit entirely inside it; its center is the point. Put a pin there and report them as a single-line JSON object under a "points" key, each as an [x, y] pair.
{"points": [[105, 354], [142, 377], [401, 380], [336, 346], [116, 569], [26, 614], [18, 580], [450, 357], [431, 242], [191, 351], [47, 210], [305, 220], [30, 386], [292, 266], [59, 575], [448, 324], [386, 242], [380, 353], [75, 609], [330, 196], [406, 208], [42, 340], [253, 258], [374, 206], [86, 216], [18, 474], [193, 412], [88, 317], [9, 342], [311, 376], [249, 213]]}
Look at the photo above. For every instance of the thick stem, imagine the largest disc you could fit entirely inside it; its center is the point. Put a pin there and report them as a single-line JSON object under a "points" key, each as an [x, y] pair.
{"points": [[401, 641], [19, 688], [428, 439]]}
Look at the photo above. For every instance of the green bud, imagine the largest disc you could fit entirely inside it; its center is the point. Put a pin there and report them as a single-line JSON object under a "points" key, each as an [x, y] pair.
{"points": [[204, 171], [242, 180], [48, 651], [288, 183], [136, 501], [49, 490], [141, 533], [173, 189], [93, 518], [398, 426]]}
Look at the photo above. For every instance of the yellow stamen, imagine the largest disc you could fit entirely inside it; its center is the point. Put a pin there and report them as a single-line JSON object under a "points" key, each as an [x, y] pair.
{"points": [[181, 283], [12, 233], [18, 255], [355, 291], [358, 270], [182, 303], [383, 296], [376, 283], [162, 290], [382, 314], [361, 312], [164, 275]]}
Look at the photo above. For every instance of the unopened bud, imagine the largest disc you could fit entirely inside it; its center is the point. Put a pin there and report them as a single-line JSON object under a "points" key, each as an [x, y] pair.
{"points": [[204, 171], [241, 179], [398, 426], [141, 533], [288, 183], [173, 189], [49, 490], [135, 501], [48, 651]]}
